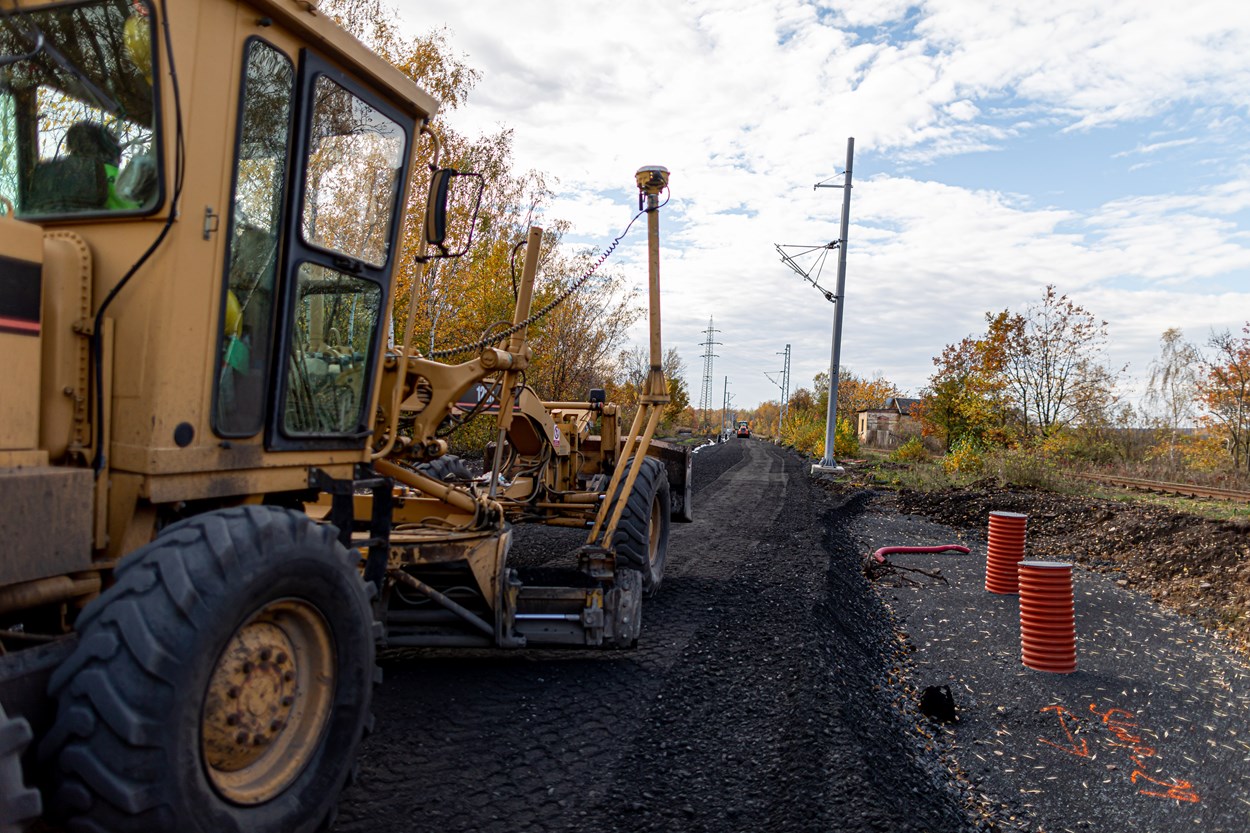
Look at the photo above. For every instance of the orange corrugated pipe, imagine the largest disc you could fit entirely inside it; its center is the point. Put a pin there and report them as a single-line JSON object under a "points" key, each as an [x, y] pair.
{"points": [[1047, 616], [1004, 550]]}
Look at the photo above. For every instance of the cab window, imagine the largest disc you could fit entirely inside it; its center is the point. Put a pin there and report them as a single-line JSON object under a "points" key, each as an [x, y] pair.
{"points": [[353, 169], [247, 327], [336, 318], [78, 109]]}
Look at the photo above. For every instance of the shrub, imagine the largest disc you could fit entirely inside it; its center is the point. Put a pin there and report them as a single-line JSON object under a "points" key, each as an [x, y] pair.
{"points": [[470, 439], [1024, 466], [1206, 453], [964, 458], [912, 451], [804, 432], [1078, 446], [845, 439]]}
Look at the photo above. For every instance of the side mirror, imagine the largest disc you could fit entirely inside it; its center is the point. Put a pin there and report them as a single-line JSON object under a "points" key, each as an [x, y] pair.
{"points": [[436, 207], [447, 196]]}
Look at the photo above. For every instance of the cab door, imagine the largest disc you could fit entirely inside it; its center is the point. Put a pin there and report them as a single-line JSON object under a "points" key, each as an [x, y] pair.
{"points": [[350, 158]]}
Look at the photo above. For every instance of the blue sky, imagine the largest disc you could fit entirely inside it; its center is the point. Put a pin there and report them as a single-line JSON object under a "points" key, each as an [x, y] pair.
{"points": [[999, 147]]}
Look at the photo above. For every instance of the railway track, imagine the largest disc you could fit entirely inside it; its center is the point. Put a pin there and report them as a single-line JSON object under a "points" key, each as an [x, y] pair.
{"points": [[1186, 489]]}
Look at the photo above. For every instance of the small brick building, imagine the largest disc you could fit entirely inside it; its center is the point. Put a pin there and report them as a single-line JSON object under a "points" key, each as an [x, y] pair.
{"points": [[888, 426]]}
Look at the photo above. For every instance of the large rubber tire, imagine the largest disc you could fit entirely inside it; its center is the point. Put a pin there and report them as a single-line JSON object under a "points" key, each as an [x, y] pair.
{"points": [[248, 621], [18, 803], [641, 538]]}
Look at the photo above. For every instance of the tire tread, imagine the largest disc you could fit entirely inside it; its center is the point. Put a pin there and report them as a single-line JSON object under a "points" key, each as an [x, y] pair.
{"points": [[108, 744], [631, 540]]}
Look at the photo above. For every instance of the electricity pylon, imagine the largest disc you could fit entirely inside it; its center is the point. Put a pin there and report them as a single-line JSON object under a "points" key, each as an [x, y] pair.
{"points": [[705, 392]]}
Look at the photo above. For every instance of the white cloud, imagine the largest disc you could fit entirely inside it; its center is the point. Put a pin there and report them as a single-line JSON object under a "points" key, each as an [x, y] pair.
{"points": [[1155, 147], [749, 103]]}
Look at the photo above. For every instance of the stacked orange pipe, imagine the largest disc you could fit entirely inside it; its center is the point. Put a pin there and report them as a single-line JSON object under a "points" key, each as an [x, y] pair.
{"points": [[1004, 551], [1047, 616]]}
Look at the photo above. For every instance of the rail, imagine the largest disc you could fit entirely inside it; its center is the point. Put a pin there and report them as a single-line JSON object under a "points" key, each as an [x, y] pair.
{"points": [[1186, 489]]}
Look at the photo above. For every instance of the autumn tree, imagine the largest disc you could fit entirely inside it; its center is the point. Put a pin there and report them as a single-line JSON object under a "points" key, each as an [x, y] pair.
{"points": [[855, 393], [966, 397], [807, 419], [633, 367], [1050, 362], [454, 303], [1224, 391], [766, 418]]}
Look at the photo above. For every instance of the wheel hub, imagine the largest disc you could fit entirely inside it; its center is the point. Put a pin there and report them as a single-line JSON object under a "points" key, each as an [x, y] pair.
{"points": [[268, 701]]}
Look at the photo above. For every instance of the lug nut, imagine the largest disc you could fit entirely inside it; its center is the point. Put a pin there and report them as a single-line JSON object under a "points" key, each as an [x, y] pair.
{"points": [[260, 740], [288, 676], [281, 658], [232, 720], [288, 701], [276, 726], [241, 737], [234, 692], [265, 654], [247, 667]]}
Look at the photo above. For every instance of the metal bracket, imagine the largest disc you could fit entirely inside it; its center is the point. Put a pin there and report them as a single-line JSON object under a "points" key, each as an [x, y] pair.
{"points": [[343, 512], [212, 221], [597, 562]]}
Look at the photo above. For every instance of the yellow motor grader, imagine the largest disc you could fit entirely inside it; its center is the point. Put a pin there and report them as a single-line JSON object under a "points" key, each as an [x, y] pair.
{"points": [[224, 469]]}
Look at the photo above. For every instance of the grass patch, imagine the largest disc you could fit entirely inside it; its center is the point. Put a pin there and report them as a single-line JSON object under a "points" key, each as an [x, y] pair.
{"points": [[1020, 469]]}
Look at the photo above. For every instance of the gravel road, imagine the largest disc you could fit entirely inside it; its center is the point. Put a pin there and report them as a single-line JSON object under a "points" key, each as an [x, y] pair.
{"points": [[765, 694]]}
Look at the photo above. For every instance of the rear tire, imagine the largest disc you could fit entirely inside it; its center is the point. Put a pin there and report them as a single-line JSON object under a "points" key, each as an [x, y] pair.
{"points": [[641, 538], [251, 621], [18, 803]]}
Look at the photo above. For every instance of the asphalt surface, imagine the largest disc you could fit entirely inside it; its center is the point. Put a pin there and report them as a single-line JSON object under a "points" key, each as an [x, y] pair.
{"points": [[776, 689], [1149, 734], [764, 696]]}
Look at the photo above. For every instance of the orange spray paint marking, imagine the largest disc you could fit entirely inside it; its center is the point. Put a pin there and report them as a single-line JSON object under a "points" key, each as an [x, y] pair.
{"points": [[1119, 722], [1176, 788], [1079, 749]]}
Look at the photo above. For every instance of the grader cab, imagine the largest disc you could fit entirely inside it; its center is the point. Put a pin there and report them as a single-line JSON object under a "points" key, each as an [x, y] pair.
{"points": [[224, 469]]}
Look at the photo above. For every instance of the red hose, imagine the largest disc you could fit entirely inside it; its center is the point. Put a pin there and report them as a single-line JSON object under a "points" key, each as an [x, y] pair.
{"points": [[879, 555]]}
